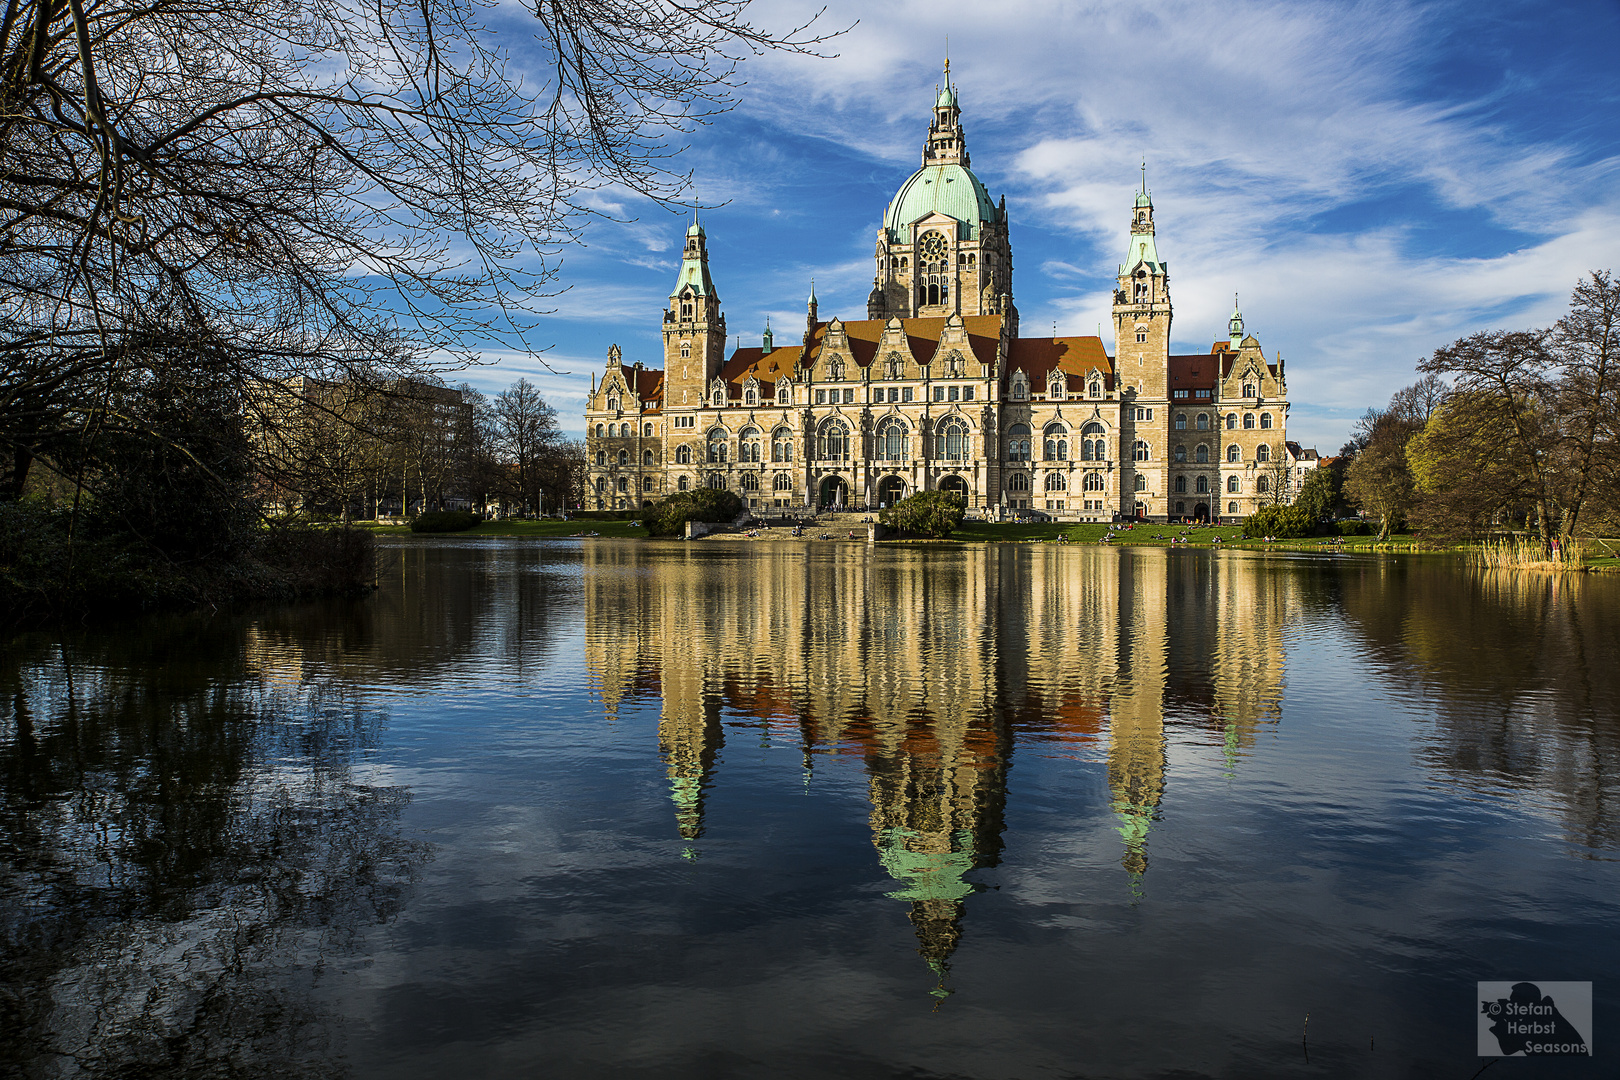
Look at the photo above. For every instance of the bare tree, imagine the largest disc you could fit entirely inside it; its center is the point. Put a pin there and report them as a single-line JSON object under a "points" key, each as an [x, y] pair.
{"points": [[328, 190], [527, 434]]}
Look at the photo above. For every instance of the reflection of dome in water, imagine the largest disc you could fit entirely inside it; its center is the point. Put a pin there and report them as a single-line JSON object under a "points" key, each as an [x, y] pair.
{"points": [[934, 884]]}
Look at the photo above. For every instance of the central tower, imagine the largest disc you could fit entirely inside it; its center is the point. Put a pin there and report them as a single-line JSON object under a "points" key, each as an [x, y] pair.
{"points": [[943, 247]]}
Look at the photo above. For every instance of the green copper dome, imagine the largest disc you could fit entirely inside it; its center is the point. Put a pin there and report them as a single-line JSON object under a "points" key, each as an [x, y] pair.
{"points": [[948, 189]]}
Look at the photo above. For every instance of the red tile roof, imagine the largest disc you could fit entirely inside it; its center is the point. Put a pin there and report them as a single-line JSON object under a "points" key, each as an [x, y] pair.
{"points": [[1076, 357]]}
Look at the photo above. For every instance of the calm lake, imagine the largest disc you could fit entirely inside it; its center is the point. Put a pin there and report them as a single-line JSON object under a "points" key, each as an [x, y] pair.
{"points": [[620, 808]]}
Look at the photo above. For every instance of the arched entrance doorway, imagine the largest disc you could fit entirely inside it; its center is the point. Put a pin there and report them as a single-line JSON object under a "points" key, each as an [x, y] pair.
{"points": [[1201, 512], [834, 492], [891, 489], [956, 486]]}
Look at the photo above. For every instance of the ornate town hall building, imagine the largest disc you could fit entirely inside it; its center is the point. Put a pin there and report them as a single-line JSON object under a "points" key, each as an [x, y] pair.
{"points": [[936, 390]]}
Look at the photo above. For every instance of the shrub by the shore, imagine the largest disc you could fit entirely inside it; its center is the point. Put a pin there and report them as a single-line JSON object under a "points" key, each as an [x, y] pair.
{"points": [[669, 516], [1287, 522], [53, 564], [444, 521], [933, 514]]}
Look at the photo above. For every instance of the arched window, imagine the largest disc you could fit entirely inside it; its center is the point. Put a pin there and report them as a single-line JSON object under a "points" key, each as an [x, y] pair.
{"points": [[683, 456], [1234, 452], [717, 481], [719, 399], [601, 485], [782, 444], [893, 439], [601, 457], [598, 431], [1248, 420], [953, 437], [748, 448], [1092, 482], [613, 404], [1262, 453], [646, 457], [624, 457], [784, 393], [1141, 482], [1181, 452], [750, 481], [783, 482], [1096, 388], [1020, 387], [1056, 444], [1056, 390], [749, 397], [1262, 484], [681, 484], [1265, 420], [624, 485], [1056, 482], [1093, 446], [1181, 485], [1201, 485], [1140, 451], [1203, 421], [832, 443], [1231, 421], [1248, 389], [1232, 484], [1231, 508], [1201, 455], [1018, 442], [1181, 421], [1018, 481], [718, 445]]}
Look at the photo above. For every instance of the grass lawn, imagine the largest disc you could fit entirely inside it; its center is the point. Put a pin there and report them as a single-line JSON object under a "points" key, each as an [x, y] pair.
{"points": [[541, 529]]}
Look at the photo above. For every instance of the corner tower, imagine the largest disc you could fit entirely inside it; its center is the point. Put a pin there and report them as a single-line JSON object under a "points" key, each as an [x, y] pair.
{"points": [[694, 327], [943, 248]]}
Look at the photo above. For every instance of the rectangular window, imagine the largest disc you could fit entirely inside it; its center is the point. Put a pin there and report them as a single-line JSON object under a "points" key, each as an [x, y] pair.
{"points": [[967, 393], [939, 393], [821, 397], [1180, 394], [905, 395], [894, 393], [1203, 393], [956, 393], [849, 397], [1144, 414]]}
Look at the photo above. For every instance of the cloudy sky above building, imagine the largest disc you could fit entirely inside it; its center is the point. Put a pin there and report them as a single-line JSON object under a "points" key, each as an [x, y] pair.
{"points": [[1372, 179]]}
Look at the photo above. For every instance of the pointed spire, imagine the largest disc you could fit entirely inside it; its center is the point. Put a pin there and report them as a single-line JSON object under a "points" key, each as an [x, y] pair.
{"points": [[767, 341], [1234, 325]]}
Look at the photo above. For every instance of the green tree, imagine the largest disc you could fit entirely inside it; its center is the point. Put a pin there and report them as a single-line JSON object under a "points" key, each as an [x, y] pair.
{"points": [[1318, 493], [1378, 481], [927, 513], [1586, 350]]}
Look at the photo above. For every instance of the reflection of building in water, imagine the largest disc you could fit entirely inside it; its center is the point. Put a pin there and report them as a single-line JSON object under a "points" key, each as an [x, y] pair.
{"points": [[927, 665]]}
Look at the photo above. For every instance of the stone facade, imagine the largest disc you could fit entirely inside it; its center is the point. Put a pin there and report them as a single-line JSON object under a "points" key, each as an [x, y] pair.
{"points": [[936, 389]]}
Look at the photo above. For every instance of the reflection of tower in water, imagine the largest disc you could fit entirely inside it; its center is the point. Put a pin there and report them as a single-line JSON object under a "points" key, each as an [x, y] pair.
{"points": [[926, 664]]}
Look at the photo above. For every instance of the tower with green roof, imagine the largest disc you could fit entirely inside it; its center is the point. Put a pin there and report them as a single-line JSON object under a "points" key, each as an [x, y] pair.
{"points": [[943, 248], [694, 327]]}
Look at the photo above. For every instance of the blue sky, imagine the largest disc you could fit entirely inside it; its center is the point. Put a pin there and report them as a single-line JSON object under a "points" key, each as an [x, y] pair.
{"points": [[1374, 179]]}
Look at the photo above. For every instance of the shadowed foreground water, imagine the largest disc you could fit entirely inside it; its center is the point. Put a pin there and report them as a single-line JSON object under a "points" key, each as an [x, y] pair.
{"points": [[712, 810]]}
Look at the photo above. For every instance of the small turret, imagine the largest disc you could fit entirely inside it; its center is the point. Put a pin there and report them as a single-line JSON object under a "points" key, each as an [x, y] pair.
{"points": [[766, 340], [1234, 325]]}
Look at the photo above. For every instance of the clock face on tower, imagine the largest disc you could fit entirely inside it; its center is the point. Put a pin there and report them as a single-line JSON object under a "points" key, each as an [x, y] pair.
{"points": [[932, 246]]}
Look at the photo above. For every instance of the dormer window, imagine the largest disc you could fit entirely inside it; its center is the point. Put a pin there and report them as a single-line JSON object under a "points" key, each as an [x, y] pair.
{"points": [[1056, 390], [784, 393], [750, 398], [1096, 388], [719, 398], [1248, 389], [613, 404]]}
